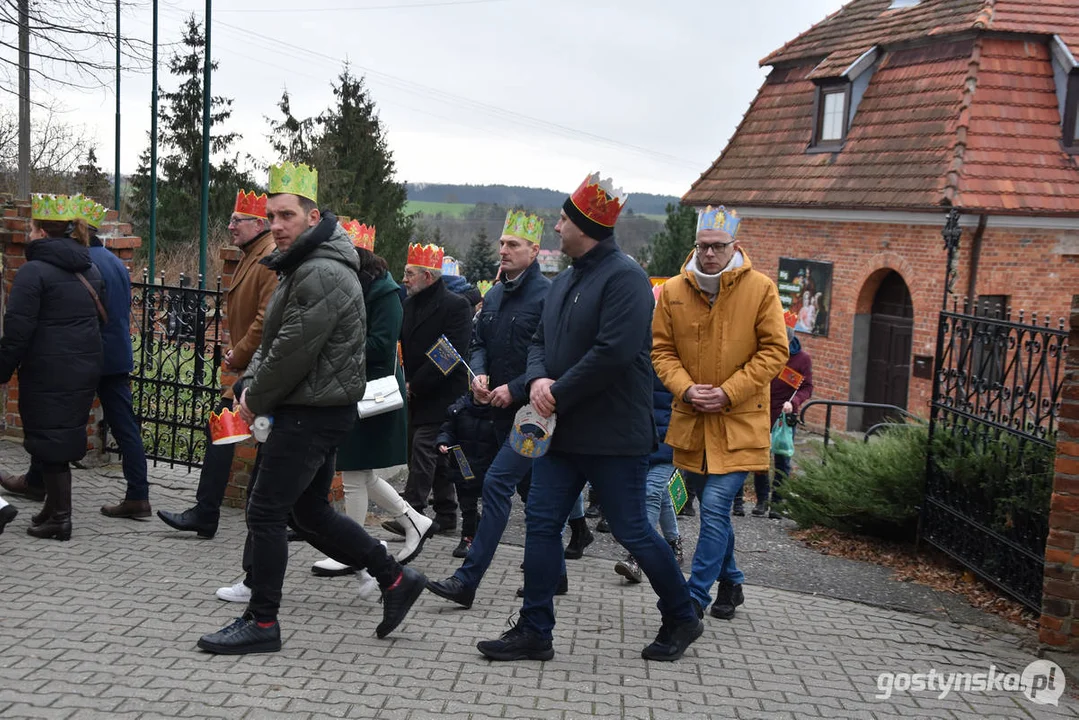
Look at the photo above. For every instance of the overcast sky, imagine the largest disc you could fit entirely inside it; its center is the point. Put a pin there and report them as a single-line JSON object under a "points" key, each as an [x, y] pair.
{"points": [[520, 92]]}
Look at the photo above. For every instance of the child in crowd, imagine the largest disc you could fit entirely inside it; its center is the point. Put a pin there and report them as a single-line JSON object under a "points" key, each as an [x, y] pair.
{"points": [[468, 439]]}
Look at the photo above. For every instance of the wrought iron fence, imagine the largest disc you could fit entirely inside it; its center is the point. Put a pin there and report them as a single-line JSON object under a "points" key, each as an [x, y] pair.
{"points": [[176, 334]]}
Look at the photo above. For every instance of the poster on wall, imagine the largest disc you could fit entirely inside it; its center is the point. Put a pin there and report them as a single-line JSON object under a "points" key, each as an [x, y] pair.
{"points": [[805, 289]]}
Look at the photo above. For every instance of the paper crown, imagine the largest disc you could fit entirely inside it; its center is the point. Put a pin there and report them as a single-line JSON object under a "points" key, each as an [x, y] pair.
{"points": [[531, 434], [227, 428], [483, 286], [89, 210], [248, 203], [60, 208], [790, 318], [598, 200], [450, 266], [522, 225], [361, 235], [719, 218], [425, 256], [296, 179]]}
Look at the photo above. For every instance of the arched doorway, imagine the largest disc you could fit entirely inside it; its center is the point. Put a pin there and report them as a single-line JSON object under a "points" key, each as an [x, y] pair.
{"points": [[891, 329]]}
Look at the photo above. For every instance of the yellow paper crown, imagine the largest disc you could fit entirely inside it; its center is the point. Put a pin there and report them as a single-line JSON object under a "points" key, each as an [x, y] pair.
{"points": [[295, 179], [522, 225], [59, 208], [89, 210]]}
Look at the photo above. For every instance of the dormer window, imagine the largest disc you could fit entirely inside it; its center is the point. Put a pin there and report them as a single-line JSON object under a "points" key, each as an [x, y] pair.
{"points": [[830, 121]]}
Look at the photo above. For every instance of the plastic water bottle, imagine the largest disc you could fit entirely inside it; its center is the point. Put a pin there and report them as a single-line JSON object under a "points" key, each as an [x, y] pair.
{"points": [[261, 427]]}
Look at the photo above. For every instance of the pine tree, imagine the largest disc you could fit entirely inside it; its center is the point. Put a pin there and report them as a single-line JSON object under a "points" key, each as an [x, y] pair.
{"points": [[92, 181], [481, 261], [671, 246]]}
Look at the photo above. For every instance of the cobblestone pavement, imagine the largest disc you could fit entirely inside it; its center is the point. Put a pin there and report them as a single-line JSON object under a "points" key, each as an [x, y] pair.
{"points": [[105, 626]]}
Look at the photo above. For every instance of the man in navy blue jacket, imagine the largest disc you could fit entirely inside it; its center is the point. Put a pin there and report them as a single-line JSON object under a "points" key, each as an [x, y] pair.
{"points": [[589, 363]]}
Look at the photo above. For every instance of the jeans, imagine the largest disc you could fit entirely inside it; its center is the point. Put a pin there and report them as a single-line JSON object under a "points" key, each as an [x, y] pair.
{"points": [[578, 508], [427, 473], [714, 557], [558, 479], [114, 392], [506, 471], [658, 501], [214, 475], [292, 488]]}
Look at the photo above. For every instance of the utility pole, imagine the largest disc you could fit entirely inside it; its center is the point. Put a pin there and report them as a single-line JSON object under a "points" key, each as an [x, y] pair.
{"points": [[24, 99], [116, 180], [204, 221], [153, 155]]}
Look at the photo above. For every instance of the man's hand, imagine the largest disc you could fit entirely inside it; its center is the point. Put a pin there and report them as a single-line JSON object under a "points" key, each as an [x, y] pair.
{"points": [[540, 396], [788, 407], [706, 398], [501, 396], [479, 388], [241, 406], [227, 361], [444, 449]]}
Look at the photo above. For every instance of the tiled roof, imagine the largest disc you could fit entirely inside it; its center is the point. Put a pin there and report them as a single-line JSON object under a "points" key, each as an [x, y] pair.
{"points": [[919, 138]]}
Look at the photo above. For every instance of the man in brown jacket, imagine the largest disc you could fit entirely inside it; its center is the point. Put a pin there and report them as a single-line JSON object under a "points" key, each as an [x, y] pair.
{"points": [[245, 303], [718, 339]]}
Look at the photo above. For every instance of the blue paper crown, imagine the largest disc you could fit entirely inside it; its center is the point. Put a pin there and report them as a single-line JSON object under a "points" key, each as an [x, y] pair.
{"points": [[719, 218], [531, 434]]}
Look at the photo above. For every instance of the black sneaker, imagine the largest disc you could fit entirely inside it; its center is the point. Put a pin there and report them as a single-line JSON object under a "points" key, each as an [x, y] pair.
{"points": [[775, 515], [760, 510], [728, 597], [243, 636], [396, 602], [672, 640], [462, 547], [738, 511], [562, 589], [517, 643], [592, 512], [687, 509], [602, 526], [454, 590]]}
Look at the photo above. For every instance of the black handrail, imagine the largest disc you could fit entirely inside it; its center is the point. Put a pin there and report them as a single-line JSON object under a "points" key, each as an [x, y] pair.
{"points": [[829, 404]]}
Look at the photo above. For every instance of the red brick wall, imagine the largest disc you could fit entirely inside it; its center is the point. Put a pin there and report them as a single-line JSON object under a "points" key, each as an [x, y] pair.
{"points": [[1028, 266]]}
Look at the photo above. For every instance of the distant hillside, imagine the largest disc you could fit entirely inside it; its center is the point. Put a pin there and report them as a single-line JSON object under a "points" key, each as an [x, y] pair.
{"points": [[511, 196]]}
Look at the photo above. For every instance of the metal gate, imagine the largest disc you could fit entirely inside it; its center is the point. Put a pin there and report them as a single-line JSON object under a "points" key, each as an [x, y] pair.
{"points": [[992, 439], [176, 335]]}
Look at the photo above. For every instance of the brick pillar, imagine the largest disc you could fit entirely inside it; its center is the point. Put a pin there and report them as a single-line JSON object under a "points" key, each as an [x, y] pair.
{"points": [[14, 234], [1059, 626]]}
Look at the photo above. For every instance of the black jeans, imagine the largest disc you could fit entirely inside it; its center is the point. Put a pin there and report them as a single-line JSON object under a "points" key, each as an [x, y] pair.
{"points": [[292, 488], [214, 476], [427, 473]]}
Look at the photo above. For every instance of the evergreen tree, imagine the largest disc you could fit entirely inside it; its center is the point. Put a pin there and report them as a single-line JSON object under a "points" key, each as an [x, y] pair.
{"points": [[671, 246], [481, 261], [92, 181], [293, 139]]}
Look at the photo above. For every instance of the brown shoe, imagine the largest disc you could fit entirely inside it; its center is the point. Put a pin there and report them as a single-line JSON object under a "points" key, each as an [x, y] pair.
{"points": [[16, 485], [127, 509]]}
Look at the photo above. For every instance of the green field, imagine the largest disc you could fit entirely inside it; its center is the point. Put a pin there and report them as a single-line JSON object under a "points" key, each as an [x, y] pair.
{"points": [[436, 208]]}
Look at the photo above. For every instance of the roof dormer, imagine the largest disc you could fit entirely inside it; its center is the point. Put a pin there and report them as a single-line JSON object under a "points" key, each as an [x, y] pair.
{"points": [[1066, 79], [837, 99]]}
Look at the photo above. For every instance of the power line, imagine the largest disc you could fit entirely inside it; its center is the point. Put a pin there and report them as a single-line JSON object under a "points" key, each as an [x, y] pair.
{"points": [[305, 10]]}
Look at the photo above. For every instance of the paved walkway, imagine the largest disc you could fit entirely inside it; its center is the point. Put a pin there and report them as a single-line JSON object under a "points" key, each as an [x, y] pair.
{"points": [[105, 626]]}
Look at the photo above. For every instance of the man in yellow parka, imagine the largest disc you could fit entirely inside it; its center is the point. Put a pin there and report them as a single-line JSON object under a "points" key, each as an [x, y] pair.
{"points": [[718, 340]]}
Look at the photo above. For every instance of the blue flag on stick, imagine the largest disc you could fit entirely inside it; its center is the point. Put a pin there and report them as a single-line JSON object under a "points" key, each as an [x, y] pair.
{"points": [[445, 356]]}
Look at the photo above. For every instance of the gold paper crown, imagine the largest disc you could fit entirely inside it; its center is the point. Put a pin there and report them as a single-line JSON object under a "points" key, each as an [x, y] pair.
{"points": [[59, 208], [295, 179], [522, 225], [227, 427], [362, 236], [425, 256]]}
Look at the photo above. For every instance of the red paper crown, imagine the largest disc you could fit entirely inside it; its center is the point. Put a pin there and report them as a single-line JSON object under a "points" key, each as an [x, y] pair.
{"points": [[361, 235], [227, 428], [250, 204], [598, 200], [790, 318], [425, 256]]}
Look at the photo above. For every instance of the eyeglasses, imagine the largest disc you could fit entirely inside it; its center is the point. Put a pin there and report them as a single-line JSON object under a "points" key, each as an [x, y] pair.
{"points": [[714, 248], [238, 220]]}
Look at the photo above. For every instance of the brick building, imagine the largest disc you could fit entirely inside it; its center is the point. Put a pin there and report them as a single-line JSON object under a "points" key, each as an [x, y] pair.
{"points": [[870, 126]]}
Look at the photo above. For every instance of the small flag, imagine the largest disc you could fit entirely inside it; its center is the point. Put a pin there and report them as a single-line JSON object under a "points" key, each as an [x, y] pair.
{"points": [[791, 377], [462, 462], [676, 488], [444, 355]]}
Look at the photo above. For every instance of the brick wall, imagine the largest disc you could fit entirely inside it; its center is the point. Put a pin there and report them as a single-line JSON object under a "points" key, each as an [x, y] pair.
{"points": [[1059, 625], [1037, 269]]}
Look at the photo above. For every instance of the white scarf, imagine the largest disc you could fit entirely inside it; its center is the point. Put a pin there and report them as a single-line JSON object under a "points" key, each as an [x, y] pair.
{"points": [[710, 283]]}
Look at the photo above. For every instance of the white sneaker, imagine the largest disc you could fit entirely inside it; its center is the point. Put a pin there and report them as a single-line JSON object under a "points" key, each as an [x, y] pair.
{"points": [[368, 589], [235, 593]]}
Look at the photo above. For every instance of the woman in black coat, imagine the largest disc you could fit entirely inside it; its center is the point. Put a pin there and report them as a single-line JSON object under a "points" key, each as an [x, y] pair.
{"points": [[52, 336]]}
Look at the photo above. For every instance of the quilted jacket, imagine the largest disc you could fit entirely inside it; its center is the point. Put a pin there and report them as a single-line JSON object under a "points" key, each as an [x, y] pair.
{"points": [[312, 350]]}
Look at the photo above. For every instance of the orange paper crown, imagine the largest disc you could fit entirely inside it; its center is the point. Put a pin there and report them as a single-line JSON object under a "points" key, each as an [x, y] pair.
{"points": [[227, 428], [425, 256], [361, 235], [250, 204], [598, 200]]}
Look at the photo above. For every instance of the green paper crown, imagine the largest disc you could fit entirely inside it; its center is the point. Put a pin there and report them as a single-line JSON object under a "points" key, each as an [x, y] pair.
{"points": [[295, 179], [89, 210], [525, 226], [60, 208]]}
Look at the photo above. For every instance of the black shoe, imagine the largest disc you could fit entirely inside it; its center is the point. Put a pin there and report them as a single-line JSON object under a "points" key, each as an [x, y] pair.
{"points": [[7, 514], [672, 641], [462, 547], [517, 643], [454, 590], [396, 602], [445, 525], [602, 526], [581, 538], [760, 510], [562, 589], [592, 512], [189, 520], [687, 509], [775, 515], [728, 597], [738, 511], [243, 636]]}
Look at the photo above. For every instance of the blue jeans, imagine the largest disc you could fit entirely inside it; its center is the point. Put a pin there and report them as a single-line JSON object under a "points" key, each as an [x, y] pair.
{"points": [[714, 557], [658, 501], [557, 481], [115, 394], [578, 508], [501, 480]]}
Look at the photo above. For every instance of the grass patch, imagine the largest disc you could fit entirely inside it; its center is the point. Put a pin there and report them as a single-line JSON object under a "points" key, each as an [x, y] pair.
{"points": [[438, 208]]}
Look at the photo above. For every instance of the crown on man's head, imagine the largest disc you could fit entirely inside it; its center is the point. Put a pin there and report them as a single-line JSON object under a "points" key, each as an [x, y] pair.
{"points": [[248, 203], [719, 218], [59, 208], [89, 210], [520, 224], [227, 428], [295, 179], [599, 200], [425, 256], [362, 236]]}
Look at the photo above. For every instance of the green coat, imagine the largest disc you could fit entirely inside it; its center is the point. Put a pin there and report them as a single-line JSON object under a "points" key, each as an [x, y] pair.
{"points": [[380, 441]]}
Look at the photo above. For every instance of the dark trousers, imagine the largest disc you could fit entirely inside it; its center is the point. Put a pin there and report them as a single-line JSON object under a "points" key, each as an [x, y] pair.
{"points": [[214, 476], [557, 481], [468, 496], [427, 473], [292, 487], [114, 392]]}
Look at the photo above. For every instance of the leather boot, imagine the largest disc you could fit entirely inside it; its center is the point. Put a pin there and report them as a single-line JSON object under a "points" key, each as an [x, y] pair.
{"points": [[580, 538], [58, 524], [17, 485]]}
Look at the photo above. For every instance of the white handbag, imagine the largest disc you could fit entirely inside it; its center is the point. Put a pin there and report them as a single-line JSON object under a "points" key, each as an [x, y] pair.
{"points": [[382, 395]]}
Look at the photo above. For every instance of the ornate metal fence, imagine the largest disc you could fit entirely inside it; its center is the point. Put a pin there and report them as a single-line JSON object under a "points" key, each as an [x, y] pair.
{"points": [[992, 428], [176, 334]]}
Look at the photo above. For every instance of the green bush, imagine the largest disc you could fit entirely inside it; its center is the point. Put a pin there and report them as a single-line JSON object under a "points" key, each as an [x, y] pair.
{"points": [[869, 488]]}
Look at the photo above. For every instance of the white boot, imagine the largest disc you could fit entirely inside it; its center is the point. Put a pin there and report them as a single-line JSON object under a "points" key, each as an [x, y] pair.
{"points": [[418, 527]]}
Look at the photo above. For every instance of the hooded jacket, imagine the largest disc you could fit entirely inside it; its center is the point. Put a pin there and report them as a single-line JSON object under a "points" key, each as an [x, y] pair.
{"points": [[116, 333]]}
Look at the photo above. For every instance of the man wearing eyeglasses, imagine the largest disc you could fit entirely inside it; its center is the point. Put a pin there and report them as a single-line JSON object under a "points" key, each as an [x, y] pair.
{"points": [[718, 339], [245, 301]]}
